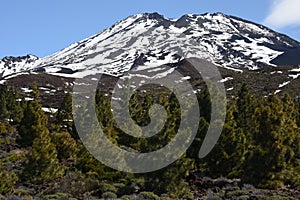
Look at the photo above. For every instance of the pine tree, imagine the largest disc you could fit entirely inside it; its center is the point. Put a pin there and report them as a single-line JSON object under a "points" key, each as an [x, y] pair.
{"points": [[105, 116], [65, 145], [14, 106], [228, 155], [205, 104], [170, 179], [34, 117], [297, 107], [90, 165], [245, 110], [42, 164], [272, 151], [3, 102], [3, 109], [193, 151], [35, 91], [64, 115]]}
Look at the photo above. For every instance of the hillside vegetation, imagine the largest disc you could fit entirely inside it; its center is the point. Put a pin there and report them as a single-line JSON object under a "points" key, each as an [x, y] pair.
{"points": [[257, 155]]}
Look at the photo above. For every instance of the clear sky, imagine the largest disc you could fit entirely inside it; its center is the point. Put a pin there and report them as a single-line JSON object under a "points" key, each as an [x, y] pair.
{"points": [[42, 27]]}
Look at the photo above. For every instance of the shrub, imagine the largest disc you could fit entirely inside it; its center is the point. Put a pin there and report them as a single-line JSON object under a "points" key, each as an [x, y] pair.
{"points": [[3, 129], [74, 183], [149, 196], [105, 187], [109, 195], [7, 181]]}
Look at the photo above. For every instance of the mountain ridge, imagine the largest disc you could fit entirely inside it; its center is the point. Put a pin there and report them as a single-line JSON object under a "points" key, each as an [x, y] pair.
{"points": [[225, 40]]}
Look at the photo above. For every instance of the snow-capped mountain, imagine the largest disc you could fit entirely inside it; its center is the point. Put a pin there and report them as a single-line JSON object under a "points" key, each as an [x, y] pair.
{"points": [[148, 40], [10, 64]]}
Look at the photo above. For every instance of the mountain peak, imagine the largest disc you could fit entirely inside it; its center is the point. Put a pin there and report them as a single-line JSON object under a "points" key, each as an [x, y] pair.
{"points": [[28, 57], [150, 39], [154, 15], [13, 64], [157, 16]]}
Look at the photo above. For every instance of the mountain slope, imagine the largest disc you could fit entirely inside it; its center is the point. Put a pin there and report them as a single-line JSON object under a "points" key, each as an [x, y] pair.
{"points": [[10, 65], [149, 40]]}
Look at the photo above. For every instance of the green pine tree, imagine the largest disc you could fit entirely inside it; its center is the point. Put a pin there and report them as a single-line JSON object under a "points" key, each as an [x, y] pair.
{"points": [[228, 155], [64, 115], [14, 106], [65, 145], [4, 114], [273, 150], [35, 91], [34, 117], [42, 164], [244, 113]]}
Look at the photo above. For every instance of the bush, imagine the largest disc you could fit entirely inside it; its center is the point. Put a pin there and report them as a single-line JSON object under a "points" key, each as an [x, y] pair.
{"points": [[237, 193], [7, 181], [109, 195], [3, 129], [106, 187], [65, 145], [126, 197], [60, 196], [74, 183], [149, 196]]}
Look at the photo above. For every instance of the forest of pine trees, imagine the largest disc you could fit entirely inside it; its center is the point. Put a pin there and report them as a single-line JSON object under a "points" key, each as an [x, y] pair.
{"points": [[260, 144]]}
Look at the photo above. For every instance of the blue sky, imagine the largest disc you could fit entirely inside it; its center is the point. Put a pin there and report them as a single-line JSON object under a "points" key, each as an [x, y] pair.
{"points": [[42, 27]]}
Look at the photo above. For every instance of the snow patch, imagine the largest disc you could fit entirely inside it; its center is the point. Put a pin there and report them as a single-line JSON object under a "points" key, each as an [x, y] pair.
{"points": [[225, 79], [49, 110], [284, 84]]}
